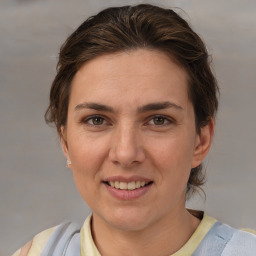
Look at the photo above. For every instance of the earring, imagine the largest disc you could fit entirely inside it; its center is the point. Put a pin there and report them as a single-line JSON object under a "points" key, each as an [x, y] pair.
{"points": [[68, 163]]}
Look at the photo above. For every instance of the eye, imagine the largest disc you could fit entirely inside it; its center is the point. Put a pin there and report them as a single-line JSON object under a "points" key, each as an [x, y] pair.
{"points": [[160, 121], [95, 121]]}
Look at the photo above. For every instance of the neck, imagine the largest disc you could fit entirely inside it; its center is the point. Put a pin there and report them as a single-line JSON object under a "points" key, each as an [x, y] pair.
{"points": [[164, 237]]}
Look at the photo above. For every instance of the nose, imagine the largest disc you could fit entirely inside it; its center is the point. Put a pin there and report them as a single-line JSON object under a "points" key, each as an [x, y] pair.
{"points": [[126, 147]]}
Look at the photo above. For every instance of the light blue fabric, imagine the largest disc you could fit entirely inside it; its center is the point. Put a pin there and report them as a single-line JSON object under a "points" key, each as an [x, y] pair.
{"points": [[215, 240], [223, 240], [242, 243], [73, 248], [65, 240]]}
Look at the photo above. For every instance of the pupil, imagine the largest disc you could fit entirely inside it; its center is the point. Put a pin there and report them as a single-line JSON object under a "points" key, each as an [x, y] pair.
{"points": [[97, 120], [159, 120]]}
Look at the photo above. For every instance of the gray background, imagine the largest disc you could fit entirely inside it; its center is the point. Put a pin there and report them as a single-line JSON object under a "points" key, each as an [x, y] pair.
{"points": [[36, 189]]}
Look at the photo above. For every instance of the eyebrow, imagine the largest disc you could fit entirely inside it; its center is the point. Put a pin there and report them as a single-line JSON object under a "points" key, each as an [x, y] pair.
{"points": [[145, 108], [95, 106], [159, 106]]}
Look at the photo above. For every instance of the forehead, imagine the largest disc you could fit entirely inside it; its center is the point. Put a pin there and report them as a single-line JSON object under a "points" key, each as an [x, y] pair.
{"points": [[140, 75]]}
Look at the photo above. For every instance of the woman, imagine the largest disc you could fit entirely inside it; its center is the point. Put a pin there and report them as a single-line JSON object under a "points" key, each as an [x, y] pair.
{"points": [[134, 103]]}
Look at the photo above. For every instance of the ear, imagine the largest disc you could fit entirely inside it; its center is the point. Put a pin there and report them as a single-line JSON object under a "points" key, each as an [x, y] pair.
{"points": [[203, 143], [64, 144]]}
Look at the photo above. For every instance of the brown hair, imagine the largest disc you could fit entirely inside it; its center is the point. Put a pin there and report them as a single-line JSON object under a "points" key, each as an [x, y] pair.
{"points": [[128, 28]]}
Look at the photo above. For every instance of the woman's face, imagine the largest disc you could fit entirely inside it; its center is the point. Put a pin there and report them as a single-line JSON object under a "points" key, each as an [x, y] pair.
{"points": [[131, 137]]}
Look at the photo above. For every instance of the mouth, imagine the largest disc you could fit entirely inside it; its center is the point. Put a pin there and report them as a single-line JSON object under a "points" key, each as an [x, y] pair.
{"points": [[133, 185]]}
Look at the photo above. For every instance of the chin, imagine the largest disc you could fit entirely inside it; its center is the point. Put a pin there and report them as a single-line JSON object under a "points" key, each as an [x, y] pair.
{"points": [[129, 219]]}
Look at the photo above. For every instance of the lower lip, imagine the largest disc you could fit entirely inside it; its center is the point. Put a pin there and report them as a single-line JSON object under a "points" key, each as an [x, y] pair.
{"points": [[128, 194]]}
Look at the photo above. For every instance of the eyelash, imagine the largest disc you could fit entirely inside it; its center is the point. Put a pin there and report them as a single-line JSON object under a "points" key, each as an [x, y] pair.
{"points": [[167, 121], [91, 118]]}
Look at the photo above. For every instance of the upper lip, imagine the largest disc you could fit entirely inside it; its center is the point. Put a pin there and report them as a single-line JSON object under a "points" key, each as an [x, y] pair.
{"points": [[127, 179]]}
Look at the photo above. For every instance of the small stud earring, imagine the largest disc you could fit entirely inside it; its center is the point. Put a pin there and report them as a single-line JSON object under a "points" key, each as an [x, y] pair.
{"points": [[68, 163]]}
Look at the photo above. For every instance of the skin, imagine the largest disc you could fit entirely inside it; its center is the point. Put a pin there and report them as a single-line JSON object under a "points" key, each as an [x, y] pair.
{"points": [[25, 249], [128, 139]]}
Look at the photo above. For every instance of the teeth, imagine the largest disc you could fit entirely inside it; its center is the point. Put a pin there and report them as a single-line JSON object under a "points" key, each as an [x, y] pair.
{"points": [[131, 185], [123, 185], [137, 184], [127, 185], [117, 184]]}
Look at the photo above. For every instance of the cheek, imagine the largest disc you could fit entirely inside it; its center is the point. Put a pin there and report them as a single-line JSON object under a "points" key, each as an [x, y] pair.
{"points": [[173, 158], [87, 156], [86, 169], [173, 151], [86, 150]]}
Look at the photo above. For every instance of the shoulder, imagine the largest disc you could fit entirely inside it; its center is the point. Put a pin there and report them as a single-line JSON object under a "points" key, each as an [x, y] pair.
{"points": [[24, 250], [221, 239], [233, 241], [241, 243], [36, 245], [65, 236], [252, 231]]}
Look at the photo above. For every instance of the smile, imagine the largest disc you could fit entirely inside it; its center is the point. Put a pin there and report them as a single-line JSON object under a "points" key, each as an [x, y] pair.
{"points": [[128, 185]]}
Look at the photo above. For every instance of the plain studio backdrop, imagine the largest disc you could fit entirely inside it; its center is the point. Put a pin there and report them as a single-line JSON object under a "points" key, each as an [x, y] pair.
{"points": [[37, 190]]}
